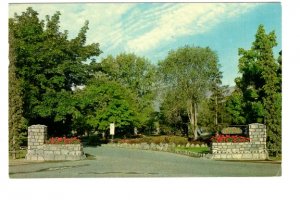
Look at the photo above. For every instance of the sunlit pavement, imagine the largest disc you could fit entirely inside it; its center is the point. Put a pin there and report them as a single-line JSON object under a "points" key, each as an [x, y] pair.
{"points": [[107, 161]]}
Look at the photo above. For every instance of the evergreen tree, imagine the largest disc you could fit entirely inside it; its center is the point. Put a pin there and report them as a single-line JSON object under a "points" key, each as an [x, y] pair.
{"points": [[16, 120], [216, 102], [235, 108], [261, 86]]}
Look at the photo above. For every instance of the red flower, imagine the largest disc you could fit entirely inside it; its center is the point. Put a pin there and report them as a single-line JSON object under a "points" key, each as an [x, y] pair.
{"points": [[229, 138], [63, 140]]}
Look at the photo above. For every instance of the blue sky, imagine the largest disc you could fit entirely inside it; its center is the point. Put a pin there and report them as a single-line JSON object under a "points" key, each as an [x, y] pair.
{"points": [[153, 29]]}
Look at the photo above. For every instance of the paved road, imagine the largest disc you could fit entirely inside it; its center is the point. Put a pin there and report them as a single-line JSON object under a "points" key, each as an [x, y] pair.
{"points": [[117, 162]]}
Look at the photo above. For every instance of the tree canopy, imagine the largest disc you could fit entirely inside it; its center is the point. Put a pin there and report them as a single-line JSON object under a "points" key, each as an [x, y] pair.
{"points": [[138, 75], [102, 102], [188, 72], [48, 65], [258, 98]]}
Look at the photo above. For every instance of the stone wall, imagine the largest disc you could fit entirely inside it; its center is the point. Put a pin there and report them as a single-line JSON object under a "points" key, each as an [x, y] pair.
{"points": [[162, 147], [38, 150], [254, 150]]}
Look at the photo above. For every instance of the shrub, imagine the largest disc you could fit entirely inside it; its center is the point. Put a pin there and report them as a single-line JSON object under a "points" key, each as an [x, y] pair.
{"points": [[156, 140], [93, 140]]}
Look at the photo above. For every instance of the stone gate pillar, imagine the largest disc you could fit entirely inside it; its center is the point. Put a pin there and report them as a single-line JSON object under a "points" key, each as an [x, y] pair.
{"points": [[258, 139], [37, 135]]}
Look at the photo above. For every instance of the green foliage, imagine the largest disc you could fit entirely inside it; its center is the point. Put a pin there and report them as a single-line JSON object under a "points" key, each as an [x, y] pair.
{"points": [[17, 123], [157, 140], [138, 75], [93, 140], [216, 114], [48, 65], [174, 118], [260, 86], [194, 149], [188, 73], [103, 102], [234, 108]]}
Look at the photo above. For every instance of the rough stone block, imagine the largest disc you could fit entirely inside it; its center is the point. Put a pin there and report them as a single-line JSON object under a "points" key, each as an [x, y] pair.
{"points": [[56, 152], [254, 125], [33, 131], [54, 148], [78, 153], [31, 151], [217, 156], [40, 151], [237, 156], [65, 151], [40, 157], [251, 130], [223, 156], [229, 156], [33, 157], [77, 147], [247, 156], [70, 157], [263, 156], [262, 126], [257, 142], [255, 156], [59, 157], [48, 152], [49, 157]]}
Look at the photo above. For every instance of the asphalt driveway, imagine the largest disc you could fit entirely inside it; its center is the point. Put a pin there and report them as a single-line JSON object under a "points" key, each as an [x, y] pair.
{"points": [[107, 161]]}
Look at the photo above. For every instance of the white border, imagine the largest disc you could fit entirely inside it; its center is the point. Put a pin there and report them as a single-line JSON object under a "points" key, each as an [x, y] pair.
{"points": [[171, 188]]}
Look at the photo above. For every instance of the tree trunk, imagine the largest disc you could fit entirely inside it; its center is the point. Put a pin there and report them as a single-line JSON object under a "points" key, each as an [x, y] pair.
{"points": [[193, 115], [195, 121]]}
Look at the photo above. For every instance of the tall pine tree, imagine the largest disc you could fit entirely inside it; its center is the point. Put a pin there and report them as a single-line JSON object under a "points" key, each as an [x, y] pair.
{"points": [[261, 86]]}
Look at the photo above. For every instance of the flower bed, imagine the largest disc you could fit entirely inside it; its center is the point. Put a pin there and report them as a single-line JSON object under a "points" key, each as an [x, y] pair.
{"points": [[156, 140], [229, 138], [63, 140]]}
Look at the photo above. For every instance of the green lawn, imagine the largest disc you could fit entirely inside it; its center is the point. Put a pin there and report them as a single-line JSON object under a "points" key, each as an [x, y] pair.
{"points": [[194, 149]]}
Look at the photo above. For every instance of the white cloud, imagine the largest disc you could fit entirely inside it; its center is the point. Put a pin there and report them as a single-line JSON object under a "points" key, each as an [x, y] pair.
{"points": [[137, 27], [188, 19]]}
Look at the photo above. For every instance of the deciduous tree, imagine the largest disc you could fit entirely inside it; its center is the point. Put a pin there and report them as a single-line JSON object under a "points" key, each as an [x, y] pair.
{"points": [[50, 65], [137, 74], [189, 71]]}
